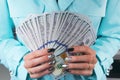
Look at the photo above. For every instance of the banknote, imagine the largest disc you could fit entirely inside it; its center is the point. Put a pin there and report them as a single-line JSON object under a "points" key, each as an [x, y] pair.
{"points": [[58, 30]]}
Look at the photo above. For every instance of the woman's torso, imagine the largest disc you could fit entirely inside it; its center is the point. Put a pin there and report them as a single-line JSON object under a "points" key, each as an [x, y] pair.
{"points": [[94, 9]]}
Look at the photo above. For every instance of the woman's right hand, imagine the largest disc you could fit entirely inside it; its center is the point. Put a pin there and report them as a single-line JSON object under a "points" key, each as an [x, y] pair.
{"points": [[39, 62]]}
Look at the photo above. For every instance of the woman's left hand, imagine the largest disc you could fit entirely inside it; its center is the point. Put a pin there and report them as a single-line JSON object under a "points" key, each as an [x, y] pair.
{"points": [[81, 64]]}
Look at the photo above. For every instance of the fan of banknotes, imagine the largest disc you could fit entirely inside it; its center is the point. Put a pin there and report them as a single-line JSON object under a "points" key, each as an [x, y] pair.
{"points": [[58, 30]]}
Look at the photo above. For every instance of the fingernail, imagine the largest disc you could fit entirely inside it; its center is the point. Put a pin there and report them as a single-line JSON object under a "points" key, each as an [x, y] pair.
{"points": [[67, 70], [68, 59], [52, 62], [70, 49], [51, 69], [51, 50], [71, 53], [64, 66], [51, 56]]}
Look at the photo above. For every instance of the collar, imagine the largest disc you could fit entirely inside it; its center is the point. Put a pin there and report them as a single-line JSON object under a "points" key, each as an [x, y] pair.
{"points": [[64, 4], [60, 5]]}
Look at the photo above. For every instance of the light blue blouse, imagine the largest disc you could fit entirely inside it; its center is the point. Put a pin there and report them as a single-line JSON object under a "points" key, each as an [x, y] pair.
{"points": [[104, 14]]}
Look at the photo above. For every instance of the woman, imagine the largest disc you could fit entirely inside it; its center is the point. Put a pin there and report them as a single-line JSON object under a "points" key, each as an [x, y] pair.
{"points": [[93, 65]]}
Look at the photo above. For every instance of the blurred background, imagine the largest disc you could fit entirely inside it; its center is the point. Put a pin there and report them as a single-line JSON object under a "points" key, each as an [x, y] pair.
{"points": [[114, 73], [4, 73]]}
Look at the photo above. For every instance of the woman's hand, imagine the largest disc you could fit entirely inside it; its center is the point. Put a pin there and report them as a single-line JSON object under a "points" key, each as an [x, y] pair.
{"points": [[81, 64], [39, 62]]}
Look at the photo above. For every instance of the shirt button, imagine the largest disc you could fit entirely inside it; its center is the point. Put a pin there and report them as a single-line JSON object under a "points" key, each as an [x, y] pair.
{"points": [[108, 70], [11, 72]]}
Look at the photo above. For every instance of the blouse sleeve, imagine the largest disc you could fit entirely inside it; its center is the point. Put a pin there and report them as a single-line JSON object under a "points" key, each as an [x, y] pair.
{"points": [[108, 41], [11, 51]]}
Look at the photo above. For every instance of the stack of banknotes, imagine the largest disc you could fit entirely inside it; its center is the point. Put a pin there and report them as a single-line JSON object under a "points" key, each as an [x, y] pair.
{"points": [[58, 30]]}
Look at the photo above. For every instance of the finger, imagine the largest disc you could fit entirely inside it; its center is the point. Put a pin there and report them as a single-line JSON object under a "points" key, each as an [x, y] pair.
{"points": [[40, 74], [38, 53], [81, 66], [38, 61], [82, 58], [82, 49], [81, 72], [39, 68]]}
